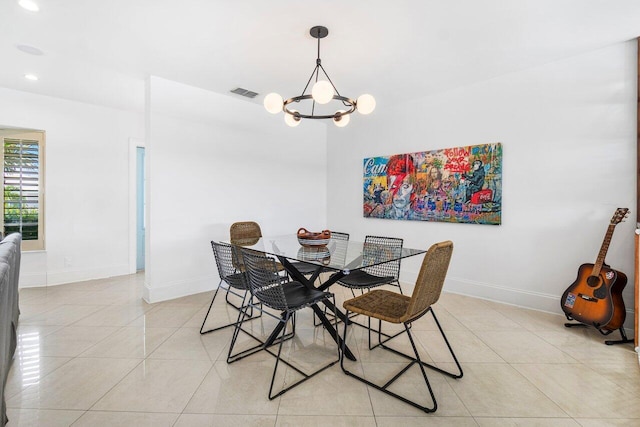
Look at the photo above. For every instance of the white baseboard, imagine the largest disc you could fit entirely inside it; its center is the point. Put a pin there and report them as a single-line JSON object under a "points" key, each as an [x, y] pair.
{"points": [[158, 293], [32, 280], [522, 298], [70, 276]]}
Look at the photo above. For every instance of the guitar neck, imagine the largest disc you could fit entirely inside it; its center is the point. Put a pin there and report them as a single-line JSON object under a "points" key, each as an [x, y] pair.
{"points": [[603, 250]]}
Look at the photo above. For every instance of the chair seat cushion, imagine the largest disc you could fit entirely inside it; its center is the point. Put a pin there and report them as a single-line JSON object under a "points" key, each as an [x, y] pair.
{"points": [[362, 279], [305, 268], [237, 280], [298, 295], [380, 304]]}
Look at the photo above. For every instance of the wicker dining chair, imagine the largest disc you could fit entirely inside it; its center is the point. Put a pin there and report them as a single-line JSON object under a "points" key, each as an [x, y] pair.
{"points": [[232, 281], [279, 293], [246, 233], [396, 308]]}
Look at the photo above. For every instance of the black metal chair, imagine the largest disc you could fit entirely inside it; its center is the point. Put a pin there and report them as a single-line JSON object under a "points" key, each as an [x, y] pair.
{"points": [[378, 272], [279, 293], [232, 281], [396, 308], [375, 252]]}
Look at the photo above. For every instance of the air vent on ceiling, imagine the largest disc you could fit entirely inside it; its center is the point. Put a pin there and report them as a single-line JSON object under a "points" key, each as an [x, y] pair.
{"points": [[244, 92]]}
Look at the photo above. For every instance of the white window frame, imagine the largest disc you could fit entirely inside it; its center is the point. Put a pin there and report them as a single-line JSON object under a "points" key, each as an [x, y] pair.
{"points": [[39, 136]]}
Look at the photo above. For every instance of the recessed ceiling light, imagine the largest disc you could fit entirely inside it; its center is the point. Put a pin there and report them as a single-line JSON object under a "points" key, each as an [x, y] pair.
{"points": [[29, 49], [31, 77], [30, 5]]}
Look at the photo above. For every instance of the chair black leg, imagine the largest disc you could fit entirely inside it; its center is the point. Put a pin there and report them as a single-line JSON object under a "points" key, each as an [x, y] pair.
{"points": [[230, 356], [275, 368], [304, 375], [384, 387], [453, 355], [209, 310], [262, 345], [228, 291], [413, 359], [432, 367], [424, 375]]}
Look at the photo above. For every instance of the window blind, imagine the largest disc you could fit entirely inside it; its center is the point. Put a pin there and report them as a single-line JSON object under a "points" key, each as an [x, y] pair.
{"points": [[21, 187]]}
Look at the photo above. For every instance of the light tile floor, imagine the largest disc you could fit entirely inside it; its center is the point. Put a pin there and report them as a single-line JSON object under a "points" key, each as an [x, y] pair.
{"points": [[95, 354]]}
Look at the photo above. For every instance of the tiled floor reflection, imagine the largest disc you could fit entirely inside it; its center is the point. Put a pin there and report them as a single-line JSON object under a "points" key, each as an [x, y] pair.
{"points": [[95, 354]]}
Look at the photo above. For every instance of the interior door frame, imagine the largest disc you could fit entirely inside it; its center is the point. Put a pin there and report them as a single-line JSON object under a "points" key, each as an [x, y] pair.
{"points": [[134, 143]]}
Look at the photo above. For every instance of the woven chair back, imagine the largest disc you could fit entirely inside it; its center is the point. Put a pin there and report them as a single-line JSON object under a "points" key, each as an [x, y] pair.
{"points": [[245, 233], [264, 281], [228, 270], [430, 279], [379, 249]]}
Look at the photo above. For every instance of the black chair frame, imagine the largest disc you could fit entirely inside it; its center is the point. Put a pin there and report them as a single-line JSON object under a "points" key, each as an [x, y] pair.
{"points": [[368, 275], [268, 287], [232, 281], [400, 309], [415, 359]]}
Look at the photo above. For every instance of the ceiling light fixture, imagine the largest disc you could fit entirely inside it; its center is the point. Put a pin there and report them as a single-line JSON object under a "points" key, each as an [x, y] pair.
{"points": [[30, 5], [31, 77], [322, 92]]}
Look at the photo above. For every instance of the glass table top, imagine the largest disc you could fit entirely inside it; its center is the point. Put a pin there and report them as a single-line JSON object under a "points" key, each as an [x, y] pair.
{"points": [[337, 254]]}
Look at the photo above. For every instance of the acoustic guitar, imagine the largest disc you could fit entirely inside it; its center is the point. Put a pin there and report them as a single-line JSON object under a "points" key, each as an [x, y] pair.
{"points": [[595, 298]]}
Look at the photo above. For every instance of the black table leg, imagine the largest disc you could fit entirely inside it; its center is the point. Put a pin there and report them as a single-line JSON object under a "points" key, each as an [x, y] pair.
{"points": [[274, 334], [296, 275], [329, 327], [333, 308]]}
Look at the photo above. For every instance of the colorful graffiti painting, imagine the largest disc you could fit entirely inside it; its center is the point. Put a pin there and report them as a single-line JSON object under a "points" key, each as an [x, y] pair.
{"points": [[461, 184]]}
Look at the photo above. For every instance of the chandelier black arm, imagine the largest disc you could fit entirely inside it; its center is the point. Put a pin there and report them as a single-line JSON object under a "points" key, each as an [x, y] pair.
{"points": [[315, 71], [346, 101], [334, 86]]}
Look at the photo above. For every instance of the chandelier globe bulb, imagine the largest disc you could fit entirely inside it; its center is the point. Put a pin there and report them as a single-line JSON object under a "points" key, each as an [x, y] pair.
{"points": [[291, 119], [365, 104], [322, 92], [273, 103], [340, 119]]}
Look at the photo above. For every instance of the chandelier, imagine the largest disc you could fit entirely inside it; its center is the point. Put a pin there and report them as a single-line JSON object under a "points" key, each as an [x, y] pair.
{"points": [[322, 92]]}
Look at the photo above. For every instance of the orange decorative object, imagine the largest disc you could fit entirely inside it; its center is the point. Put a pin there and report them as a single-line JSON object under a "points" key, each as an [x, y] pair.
{"points": [[309, 239]]}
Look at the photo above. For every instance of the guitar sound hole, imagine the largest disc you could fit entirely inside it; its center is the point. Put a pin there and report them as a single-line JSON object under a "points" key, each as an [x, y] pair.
{"points": [[593, 281]]}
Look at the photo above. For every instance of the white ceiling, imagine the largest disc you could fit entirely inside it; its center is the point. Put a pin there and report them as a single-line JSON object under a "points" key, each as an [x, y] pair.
{"points": [[100, 51]]}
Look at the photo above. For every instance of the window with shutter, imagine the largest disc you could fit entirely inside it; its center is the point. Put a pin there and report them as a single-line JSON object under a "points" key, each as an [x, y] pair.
{"points": [[23, 195]]}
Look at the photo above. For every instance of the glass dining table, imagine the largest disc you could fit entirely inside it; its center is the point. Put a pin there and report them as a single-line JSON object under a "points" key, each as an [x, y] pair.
{"points": [[337, 258]]}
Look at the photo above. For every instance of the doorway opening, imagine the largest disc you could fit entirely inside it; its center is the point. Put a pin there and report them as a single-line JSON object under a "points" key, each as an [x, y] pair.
{"points": [[140, 208]]}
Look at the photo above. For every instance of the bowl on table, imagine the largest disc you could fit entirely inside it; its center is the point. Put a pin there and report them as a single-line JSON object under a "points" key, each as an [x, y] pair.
{"points": [[315, 253], [313, 239]]}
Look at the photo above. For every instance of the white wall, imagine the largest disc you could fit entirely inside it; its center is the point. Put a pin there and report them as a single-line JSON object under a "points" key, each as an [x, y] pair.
{"points": [[86, 185], [214, 160], [568, 131]]}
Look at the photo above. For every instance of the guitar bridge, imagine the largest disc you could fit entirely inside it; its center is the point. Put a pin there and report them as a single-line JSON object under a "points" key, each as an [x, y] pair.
{"points": [[588, 298]]}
